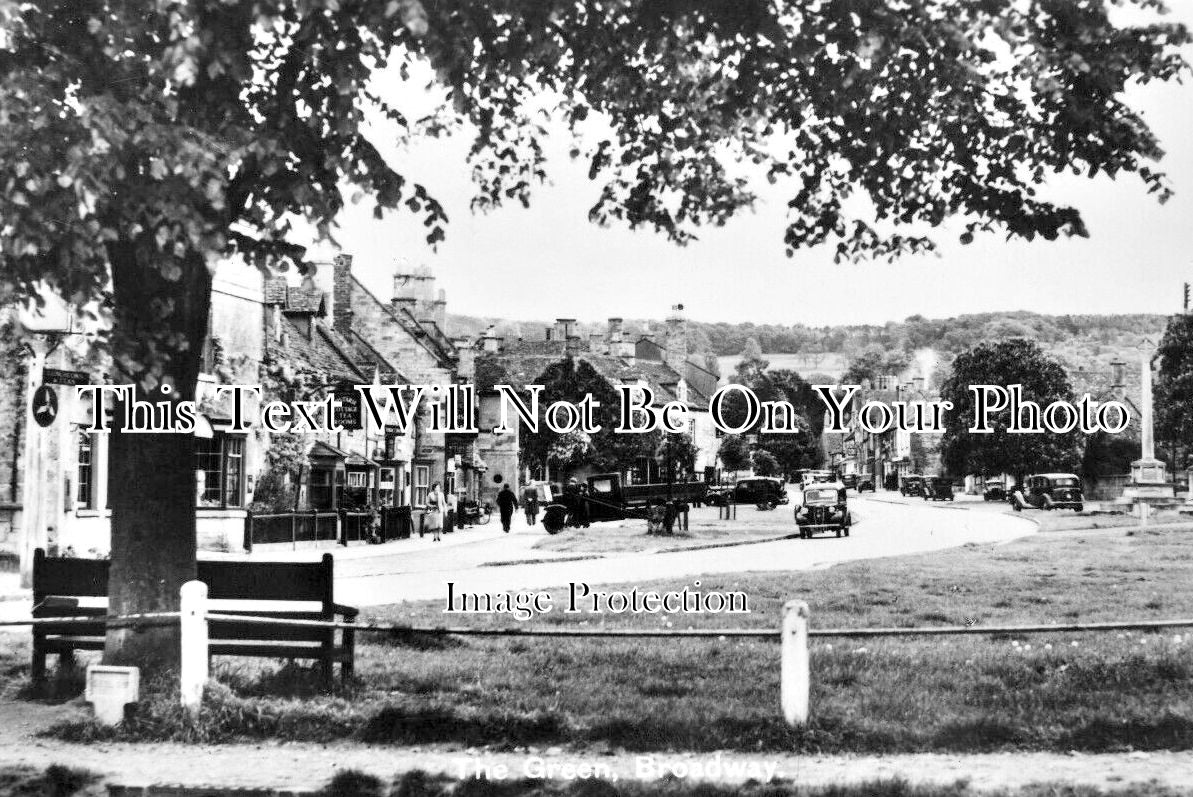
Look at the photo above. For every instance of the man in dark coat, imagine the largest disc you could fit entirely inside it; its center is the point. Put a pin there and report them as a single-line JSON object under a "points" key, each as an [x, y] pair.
{"points": [[507, 502]]}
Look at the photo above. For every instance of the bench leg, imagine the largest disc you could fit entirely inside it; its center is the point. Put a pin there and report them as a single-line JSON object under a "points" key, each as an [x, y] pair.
{"points": [[348, 667], [37, 668], [327, 666]]}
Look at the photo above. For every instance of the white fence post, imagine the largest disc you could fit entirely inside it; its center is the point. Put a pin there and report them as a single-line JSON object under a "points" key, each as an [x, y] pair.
{"points": [[193, 663], [794, 677]]}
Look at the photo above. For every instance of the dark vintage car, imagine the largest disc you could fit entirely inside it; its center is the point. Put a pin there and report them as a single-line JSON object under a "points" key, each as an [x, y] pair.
{"points": [[911, 484], [1049, 491], [995, 490], [754, 490], [865, 484], [824, 508], [850, 480], [937, 488]]}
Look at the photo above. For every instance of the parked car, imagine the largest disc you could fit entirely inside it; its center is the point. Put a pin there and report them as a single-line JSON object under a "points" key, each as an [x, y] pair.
{"points": [[864, 484], [716, 495], [850, 480], [824, 508], [1049, 491], [911, 485], [813, 476], [754, 490], [937, 488], [995, 490]]}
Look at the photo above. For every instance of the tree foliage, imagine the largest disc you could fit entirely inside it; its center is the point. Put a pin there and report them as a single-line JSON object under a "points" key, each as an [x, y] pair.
{"points": [[1043, 379], [734, 453], [1174, 382], [572, 380], [765, 463]]}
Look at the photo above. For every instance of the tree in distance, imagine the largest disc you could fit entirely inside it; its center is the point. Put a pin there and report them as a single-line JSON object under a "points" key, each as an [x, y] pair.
{"points": [[1044, 381]]}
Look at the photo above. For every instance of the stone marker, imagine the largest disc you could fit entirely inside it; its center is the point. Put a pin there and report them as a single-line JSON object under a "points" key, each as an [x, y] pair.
{"points": [[110, 689]]}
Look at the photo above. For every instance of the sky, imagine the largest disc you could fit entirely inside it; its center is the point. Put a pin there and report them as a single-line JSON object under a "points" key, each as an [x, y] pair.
{"points": [[549, 261]]}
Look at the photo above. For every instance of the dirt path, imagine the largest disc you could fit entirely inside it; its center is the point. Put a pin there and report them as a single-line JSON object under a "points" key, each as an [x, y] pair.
{"points": [[309, 766]]}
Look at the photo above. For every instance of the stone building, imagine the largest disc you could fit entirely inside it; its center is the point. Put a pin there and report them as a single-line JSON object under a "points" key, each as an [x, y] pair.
{"points": [[885, 456], [661, 363], [298, 342]]}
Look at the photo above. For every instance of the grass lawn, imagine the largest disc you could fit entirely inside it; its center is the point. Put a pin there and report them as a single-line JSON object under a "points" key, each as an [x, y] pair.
{"points": [[1066, 521], [1060, 692]]}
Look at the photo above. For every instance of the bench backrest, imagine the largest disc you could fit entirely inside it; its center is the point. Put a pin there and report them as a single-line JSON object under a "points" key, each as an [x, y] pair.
{"points": [[258, 581]]}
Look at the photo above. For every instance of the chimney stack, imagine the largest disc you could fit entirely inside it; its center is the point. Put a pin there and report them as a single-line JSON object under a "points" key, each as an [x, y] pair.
{"points": [[490, 343], [675, 340], [405, 289], [341, 294], [564, 328]]}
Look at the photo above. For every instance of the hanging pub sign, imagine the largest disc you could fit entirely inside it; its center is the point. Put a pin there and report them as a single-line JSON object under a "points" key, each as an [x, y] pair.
{"points": [[56, 376], [348, 413], [45, 405]]}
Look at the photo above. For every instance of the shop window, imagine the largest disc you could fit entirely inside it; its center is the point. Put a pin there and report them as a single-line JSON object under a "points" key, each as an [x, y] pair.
{"points": [[85, 495], [387, 486], [220, 460], [422, 484]]}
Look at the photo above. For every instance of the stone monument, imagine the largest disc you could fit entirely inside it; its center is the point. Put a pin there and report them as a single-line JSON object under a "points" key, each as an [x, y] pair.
{"points": [[1148, 487]]}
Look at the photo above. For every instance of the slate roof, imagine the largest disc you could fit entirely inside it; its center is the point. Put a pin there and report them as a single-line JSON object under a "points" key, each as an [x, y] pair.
{"points": [[366, 355], [324, 352], [306, 300]]}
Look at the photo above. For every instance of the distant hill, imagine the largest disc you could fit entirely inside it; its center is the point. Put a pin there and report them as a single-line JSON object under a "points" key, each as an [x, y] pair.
{"points": [[1085, 344]]}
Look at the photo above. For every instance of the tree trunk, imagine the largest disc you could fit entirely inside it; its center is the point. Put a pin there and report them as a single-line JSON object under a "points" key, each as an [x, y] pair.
{"points": [[152, 489]]}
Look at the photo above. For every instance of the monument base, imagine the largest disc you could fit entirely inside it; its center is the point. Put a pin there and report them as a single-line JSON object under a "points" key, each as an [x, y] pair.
{"points": [[1157, 495]]}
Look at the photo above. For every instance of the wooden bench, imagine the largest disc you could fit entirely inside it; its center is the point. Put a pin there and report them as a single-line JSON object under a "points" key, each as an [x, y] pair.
{"points": [[59, 583]]}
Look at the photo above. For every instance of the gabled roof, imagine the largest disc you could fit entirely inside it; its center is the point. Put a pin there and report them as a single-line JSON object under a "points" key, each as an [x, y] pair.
{"points": [[323, 450], [306, 300], [409, 324], [367, 355]]}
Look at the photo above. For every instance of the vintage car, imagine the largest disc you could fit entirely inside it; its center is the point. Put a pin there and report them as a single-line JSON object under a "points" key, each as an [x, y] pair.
{"points": [[1049, 491], [754, 490], [824, 508], [995, 490], [850, 480], [937, 488], [911, 484], [865, 483]]}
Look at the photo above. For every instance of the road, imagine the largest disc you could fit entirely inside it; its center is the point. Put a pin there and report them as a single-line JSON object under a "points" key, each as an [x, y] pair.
{"points": [[887, 526]]}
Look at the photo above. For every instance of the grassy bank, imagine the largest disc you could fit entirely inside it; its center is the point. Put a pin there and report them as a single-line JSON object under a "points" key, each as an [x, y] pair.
{"points": [[1055, 692], [353, 784]]}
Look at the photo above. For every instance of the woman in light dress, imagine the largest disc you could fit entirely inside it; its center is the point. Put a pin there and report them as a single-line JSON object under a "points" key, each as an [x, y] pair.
{"points": [[433, 520]]}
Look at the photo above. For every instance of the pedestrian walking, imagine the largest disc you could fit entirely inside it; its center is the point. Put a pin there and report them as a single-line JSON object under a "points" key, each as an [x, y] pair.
{"points": [[433, 515], [507, 502], [449, 514], [530, 502]]}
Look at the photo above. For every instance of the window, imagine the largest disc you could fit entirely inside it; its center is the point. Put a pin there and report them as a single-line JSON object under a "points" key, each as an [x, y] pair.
{"points": [[85, 496], [356, 478], [422, 484], [220, 461], [387, 486], [319, 490]]}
